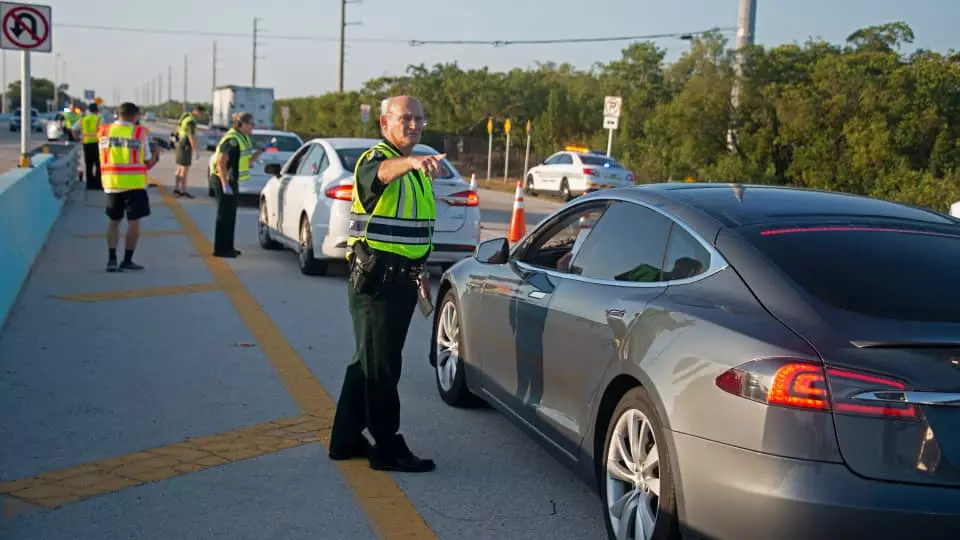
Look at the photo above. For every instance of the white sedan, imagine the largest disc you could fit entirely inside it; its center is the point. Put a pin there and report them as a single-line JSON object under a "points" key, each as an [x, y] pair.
{"points": [[576, 171], [286, 143], [305, 206]]}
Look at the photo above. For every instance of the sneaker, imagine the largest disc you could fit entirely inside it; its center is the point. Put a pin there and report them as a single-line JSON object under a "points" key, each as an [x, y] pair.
{"points": [[112, 266], [130, 265], [186, 194]]}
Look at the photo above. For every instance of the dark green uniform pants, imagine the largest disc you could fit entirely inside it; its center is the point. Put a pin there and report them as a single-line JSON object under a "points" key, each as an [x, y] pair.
{"points": [[226, 217], [369, 397]]}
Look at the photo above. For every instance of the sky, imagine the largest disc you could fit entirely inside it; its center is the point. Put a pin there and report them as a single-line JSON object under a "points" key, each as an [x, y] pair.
{"points": [[153, 38]]}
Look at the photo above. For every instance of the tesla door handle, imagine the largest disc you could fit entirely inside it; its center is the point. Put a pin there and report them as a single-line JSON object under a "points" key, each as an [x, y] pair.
{"points": [[616, 313], [537, 294]]}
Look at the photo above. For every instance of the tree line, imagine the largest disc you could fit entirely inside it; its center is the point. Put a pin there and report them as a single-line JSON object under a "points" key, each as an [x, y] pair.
{"points": [[859, 117]]}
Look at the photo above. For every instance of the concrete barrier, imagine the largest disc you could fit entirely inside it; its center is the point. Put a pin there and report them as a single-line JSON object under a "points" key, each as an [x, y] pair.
{"points": [[30, 202]]}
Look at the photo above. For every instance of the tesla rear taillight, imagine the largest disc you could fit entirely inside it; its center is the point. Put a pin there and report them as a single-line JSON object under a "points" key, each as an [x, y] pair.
{"points": [[340, 193], [463, 198], [801, 384]]}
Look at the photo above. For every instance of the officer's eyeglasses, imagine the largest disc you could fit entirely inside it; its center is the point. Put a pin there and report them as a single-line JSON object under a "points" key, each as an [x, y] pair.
{"points": [[406, 119]]}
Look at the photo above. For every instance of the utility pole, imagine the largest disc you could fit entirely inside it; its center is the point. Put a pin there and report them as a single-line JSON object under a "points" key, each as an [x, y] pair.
{"points": [[746, 29], [4, 82], [256, 32], [160, 86], [213, 82], [170, 83], [343, 39], [184, 83]]}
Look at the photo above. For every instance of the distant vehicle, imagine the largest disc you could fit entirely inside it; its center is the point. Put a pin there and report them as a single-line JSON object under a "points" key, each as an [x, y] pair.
{"points": [[306, 205], [576, 171], [150, 116], [35, 124], [725, 361], [284, 144], [230, 99]]}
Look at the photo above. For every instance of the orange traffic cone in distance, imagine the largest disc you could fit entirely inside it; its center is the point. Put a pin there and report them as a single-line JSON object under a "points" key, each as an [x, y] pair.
{"points": [[518, 222]]}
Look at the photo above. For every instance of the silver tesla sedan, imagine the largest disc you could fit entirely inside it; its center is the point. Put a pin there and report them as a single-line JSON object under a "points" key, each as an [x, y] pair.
{"points": [[726, 361]]}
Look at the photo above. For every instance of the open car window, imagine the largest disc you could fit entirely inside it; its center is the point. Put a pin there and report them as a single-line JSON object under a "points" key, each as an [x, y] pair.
{"points": [[554, 246]]}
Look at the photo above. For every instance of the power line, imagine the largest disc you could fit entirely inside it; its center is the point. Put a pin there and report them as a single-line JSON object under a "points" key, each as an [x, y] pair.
{"points": [[410, 42]]}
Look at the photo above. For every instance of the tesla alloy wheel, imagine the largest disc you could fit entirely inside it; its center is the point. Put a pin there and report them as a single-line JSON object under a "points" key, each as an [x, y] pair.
{"points": [[451, 382], [637, 484]]}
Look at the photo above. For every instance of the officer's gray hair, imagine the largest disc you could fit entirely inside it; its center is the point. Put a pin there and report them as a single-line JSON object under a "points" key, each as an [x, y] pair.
{"points": [[385, 106]]}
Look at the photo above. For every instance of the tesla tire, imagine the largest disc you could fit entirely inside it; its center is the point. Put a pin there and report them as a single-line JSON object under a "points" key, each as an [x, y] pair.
{"points": [[636, 482], [448, 355]]}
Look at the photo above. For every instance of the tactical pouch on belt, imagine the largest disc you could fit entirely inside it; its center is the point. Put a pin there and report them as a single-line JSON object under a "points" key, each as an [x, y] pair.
{"points": [[363, 265]]}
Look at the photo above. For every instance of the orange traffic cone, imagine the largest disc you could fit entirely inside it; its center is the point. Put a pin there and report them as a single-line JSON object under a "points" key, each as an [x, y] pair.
{"points": [[518, 223]]}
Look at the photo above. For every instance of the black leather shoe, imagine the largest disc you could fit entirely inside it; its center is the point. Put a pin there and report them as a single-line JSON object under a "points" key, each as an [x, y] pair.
{"points": [[395, 455], [360, 449], [408, 463]]}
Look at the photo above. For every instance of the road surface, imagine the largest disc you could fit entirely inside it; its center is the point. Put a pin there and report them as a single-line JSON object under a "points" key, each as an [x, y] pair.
{"points": [[193, 400]]}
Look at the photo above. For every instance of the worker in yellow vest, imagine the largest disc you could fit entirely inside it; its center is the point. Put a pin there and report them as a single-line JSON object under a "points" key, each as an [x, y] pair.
{"points": [[70, 118], [390, 186], [125, 158], [86, 131]]}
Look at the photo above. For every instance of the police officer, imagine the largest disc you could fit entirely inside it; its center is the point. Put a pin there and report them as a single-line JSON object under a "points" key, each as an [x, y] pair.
{"points": [[86, 130], [125, 158], [187, 149], [231, 165], [391, 231]]}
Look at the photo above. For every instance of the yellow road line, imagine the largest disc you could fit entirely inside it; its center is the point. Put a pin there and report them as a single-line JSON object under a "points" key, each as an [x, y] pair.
{"points": [[71, 484], [139, 293], [391, 513], [101, 236]]}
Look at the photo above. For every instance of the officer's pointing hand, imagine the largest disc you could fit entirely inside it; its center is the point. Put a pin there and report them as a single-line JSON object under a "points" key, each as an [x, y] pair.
{"points": [[427, 164]]}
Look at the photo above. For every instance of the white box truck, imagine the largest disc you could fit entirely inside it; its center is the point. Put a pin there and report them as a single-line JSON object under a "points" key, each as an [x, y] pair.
{"points": [[230, 99]]}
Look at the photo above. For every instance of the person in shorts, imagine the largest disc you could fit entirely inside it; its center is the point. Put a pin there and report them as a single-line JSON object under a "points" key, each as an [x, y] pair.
{"points": [[125, 158], [187, 149]]}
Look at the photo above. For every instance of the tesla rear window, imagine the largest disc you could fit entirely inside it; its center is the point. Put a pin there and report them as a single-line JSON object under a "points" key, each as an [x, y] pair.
{"points": [[349, 157], [896, 273], [284, 144]]}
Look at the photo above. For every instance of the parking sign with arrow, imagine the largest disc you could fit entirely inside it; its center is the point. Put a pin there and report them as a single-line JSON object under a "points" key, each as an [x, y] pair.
{"points": [[26, 27]]}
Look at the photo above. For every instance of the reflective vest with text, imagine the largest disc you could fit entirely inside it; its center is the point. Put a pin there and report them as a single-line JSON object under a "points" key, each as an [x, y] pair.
{"points": [[122, 164], [403, 219]]}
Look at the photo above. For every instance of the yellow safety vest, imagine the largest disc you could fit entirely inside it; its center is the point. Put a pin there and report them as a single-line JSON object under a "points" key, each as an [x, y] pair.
{"points": [[69, 118], [402, 221], [246, 151], [185, 120], [88, 127], [121, 157]]}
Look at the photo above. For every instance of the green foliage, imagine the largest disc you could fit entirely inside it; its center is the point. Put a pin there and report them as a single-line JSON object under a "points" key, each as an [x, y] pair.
{"points": [[41, 91], [859, 117]]}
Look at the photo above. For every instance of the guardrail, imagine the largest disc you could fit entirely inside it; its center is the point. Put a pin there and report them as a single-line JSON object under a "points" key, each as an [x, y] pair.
{"points": [[30, 203]]}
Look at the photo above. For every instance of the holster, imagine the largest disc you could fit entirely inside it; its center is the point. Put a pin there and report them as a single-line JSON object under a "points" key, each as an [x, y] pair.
{"points": [[365, 269]]}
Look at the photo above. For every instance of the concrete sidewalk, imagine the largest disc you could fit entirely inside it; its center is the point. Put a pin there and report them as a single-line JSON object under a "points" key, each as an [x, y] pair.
{"points": [[167, 401]]}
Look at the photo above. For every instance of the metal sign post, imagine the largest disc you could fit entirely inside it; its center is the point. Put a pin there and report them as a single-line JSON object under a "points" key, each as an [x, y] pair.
{"points": [[364, 117], [611, 118], [285, 114], [26, 28], [506, 153], [526, 155], [489, 148]]}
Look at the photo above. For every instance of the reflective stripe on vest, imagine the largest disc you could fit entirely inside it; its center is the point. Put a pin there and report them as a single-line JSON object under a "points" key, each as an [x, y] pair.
{"points": [[402, 221], [122, 163], [88, 127], [246, 151]]}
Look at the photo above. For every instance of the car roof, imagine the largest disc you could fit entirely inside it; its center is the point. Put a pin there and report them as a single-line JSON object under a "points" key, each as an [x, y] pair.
{"points": [[358, 142], [736, 205]]}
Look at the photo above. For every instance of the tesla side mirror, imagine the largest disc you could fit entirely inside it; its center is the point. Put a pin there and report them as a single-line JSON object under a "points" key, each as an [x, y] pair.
{"points": [[273, 169], [495, 251]]}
